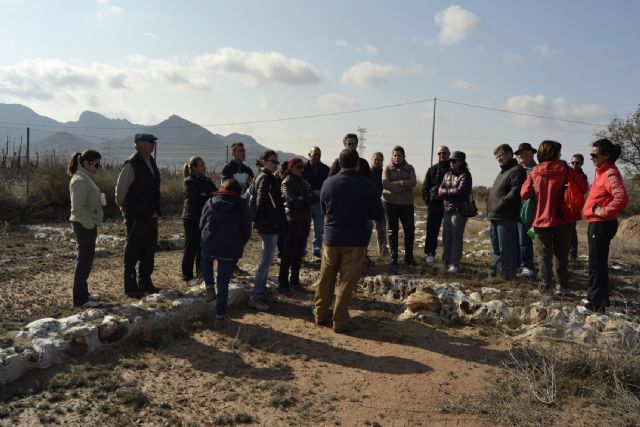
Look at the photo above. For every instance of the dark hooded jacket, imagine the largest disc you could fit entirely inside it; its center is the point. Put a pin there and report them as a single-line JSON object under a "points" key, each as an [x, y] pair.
{"points": [[225, 226], [432, 180], [270, 218], [504, 195]]}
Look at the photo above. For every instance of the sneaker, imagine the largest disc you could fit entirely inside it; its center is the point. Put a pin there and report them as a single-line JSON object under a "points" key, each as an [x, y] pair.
{"points": [[149, 289], [345, 329], [527, 272], [321, 322], [257, 304], [583, 309], [210, 294], [393, 268], [453, 269], [430, 259], [90, 304], [95, 297], [193, 282], [134, 294]]}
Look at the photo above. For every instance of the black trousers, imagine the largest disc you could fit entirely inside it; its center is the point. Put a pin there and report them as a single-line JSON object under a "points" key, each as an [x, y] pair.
{"points": [[435, 213], [573, 244], [282, 240], [86, 244], [297, 234], [191, 251], [142, 240], [599, 235], [400, 214]]}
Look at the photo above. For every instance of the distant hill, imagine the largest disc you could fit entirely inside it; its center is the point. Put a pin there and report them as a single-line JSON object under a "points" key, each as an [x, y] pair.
{"points": [[178, 138]]}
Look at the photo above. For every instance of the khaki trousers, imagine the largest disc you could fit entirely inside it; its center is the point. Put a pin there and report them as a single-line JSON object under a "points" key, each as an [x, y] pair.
{"points": [[349, 262]]}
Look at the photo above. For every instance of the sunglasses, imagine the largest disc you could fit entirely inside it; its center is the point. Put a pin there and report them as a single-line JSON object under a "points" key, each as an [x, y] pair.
{"points": [[576, 163], [594, 155], [443, 153], [275, 162]]}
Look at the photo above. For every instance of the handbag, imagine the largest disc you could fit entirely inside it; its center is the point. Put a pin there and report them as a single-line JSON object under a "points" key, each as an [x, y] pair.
{"points": [[468, 208]]}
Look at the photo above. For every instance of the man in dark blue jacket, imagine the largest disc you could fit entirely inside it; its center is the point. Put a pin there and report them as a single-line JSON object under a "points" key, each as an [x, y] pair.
{"points": [[349, 202], [315, 173]]}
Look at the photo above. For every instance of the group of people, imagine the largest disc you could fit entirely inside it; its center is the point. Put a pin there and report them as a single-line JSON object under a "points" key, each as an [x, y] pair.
{"points": [[344, 202]]}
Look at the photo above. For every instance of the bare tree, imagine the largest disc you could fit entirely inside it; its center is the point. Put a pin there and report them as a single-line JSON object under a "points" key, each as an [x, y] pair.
{"points": [[626, 132]]}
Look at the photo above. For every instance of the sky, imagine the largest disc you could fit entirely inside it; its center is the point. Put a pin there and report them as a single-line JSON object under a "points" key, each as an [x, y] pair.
{"points": [[244, 66]]}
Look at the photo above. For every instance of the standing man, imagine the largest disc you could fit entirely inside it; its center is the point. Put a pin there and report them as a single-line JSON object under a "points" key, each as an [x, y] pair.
{"points": [[138, 196], [524, 157], [503, 210], [349, 202], [236, 169], [350, 142], [315, 173], [435, 205], [381, 225], [577, 160]]}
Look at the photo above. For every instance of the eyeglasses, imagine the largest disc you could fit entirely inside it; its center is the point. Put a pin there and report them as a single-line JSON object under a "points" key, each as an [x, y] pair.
{"points": [[594, 155]]}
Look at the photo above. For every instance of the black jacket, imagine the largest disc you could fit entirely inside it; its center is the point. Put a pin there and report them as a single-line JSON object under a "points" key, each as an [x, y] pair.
{"points": [[298, 199], [225, 226], [349, 201], [376, 172], [197, 190], [270, 217], [504, 194], [365, 169], [316, 178], [432, 180]]}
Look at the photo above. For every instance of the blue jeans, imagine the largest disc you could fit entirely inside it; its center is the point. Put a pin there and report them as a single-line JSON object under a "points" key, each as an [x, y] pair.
{"points": [[318, 228], [525, 254], [225, 272], [504, 239], [269, 243]]}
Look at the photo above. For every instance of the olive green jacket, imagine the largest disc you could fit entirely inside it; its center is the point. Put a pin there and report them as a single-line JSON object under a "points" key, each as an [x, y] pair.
{"points": [[85, 200]]}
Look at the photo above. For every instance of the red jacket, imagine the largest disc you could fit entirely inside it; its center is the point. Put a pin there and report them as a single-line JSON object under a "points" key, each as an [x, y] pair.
{"points": [[607, 197], [547, 180]]}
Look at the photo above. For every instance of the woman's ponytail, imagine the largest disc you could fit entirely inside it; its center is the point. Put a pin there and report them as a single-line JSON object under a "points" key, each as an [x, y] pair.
{"points": [[74, 162]]}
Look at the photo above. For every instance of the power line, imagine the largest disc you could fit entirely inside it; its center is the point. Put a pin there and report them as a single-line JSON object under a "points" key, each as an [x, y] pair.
{"points": [[499, 110]]}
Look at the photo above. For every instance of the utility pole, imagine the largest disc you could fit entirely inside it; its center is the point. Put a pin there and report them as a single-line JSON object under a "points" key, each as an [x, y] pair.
{"points": [[433, 129], [28, 165], [227, 148], [362, 138]]}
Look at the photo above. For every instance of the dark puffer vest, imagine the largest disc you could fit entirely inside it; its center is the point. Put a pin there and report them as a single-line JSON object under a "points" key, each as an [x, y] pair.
{"points": [[143, 197]]}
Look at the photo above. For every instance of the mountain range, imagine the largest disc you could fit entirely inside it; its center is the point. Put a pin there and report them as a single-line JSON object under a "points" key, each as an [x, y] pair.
{"points": [[178, 138]]}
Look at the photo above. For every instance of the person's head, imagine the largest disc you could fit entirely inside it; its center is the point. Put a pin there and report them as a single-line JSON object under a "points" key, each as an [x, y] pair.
{"points": [[524, 154], [295, 167], [231, 186], [144, 143], [377, 159], [350, 141], [577, 160], [238, 152], [458, 160], [283, 168], [348, 159], [268, 160], [195, 166], [549, 151], [397, 155], [88, 159], [443, 153], [314, 155], [503, 153], [603, 151]]}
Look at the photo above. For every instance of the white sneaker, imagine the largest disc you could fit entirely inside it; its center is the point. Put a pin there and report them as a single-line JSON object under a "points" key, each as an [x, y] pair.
{"points": [[430, 259], [527, 272], [257, 304], [193, 282], [453, 269], [584, 310]]}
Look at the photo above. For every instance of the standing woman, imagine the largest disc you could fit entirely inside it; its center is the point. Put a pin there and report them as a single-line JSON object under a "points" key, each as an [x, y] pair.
{"points": [[198, 188], [86, 217], [553, 231], [398, 181], [454, 190], [269, 223], [607, 198], [298, 198]]}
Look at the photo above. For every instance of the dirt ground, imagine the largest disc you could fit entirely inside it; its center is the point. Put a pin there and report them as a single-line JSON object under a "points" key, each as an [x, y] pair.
{"points": [[274, 368]]}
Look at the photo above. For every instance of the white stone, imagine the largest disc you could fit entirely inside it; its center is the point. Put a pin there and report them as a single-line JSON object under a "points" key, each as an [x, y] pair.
{"points": [[489, 291]]}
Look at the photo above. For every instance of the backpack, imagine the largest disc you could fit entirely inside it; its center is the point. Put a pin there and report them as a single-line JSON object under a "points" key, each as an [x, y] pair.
{"points": [[572, 199]]}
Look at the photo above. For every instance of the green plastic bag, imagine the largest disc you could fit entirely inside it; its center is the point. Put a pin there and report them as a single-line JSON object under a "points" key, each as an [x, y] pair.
{"points": [[528, 210]]}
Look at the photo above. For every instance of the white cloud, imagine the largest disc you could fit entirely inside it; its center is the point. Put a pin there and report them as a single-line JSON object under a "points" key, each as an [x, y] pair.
{"points": [[461, 84], [558, 107], [257, 68], [455, 24], [333, 102], [369, 74], [152, 36], [366, 48], [369, 49], [342, 43], [107, 9], [511, 58], [265, 103], [543, 51]]}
